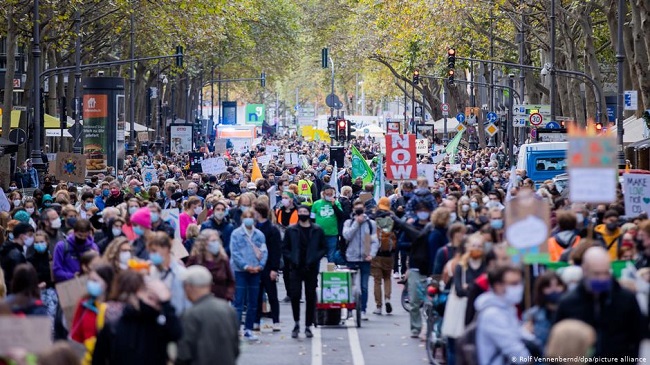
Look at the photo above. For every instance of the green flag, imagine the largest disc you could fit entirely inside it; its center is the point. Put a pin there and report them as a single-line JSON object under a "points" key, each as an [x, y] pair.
{"points": [[452, 147], [360, 168]]}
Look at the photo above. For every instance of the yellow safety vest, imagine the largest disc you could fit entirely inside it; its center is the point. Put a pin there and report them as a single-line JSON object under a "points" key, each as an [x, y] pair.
{"points": [[304, 191]]}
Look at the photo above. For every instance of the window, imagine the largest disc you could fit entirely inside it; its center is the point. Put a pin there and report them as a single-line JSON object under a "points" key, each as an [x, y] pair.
{"points": [[550, 164]]}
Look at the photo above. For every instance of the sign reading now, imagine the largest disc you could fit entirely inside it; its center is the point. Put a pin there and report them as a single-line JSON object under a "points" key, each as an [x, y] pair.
{"points": [[401, 161]]}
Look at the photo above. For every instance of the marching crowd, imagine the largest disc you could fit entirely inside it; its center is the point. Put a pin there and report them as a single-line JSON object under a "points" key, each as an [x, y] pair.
{"points": [[182, 269]]}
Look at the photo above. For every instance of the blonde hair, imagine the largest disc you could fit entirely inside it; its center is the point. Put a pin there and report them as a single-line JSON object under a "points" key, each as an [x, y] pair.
{"points": [[3, 287], [192, 231], [473, 238], [570, 338], [200, 247], [112, 253], [440, 217]]}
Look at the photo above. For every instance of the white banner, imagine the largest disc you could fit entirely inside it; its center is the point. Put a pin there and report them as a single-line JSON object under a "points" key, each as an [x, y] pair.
{"points": [[422, 146], [264, 159], [214, 166], [427, 170]]}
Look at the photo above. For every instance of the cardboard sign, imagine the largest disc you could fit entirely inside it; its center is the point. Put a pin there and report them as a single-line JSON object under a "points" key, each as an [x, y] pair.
{"points": [[149, 175], [528, 220], [636, 189], [31, 334], [422, 146], [264, 159], [214, 166], [427, 170], [195, 162], [292, 158], [69, 293], [70, 167], [171, 216], [592, 169], [143, 136], [401, 161], [220, 145]]}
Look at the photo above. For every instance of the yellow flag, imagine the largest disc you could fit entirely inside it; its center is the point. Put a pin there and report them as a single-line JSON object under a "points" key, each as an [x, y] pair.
{"points": [[257, 173]]}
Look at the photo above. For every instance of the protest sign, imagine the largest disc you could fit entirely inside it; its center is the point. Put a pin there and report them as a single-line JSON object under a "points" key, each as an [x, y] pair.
{"points": [[636, 189], [214, 166], [30, 334], [422, 146], [149, 175], [220, 145], [69, 293], [292, 158], [401, 161], [528, 218], [264, 159], [195, 161], [428, 171], [439, 157], [592, 169], [71, 167]]}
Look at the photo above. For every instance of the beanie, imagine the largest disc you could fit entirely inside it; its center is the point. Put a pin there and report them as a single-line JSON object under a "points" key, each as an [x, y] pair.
{"points": [[22, 216], [142, 217]]}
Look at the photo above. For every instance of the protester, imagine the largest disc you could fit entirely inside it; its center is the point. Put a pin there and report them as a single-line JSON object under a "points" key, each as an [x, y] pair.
{"points": [[208, 251], [167, 268], [327, 213], [12, 251], [67, 253], [382, 264], [25, 297], [571, 339], [269, 275], [220, 222]]}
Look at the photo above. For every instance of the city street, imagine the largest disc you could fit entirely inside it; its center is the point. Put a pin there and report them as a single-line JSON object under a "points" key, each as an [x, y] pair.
{"points": [[382, 339]]}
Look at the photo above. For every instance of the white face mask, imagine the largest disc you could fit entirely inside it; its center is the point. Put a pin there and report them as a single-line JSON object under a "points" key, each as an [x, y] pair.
{"points": [[172, 203], [198, 210], [465, 207], [125, 256], [30, 210], [514, 293], [17, 203], [116, 231], [55, 224], [214, 247], [29, 240]]}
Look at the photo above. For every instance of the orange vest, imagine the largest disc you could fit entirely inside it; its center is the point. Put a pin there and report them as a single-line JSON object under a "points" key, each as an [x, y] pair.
{"points": [[292, 220], [555, 250]]}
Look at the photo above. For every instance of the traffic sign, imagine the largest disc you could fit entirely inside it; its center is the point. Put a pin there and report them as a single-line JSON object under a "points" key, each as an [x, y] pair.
{"points": [[418, 111], [491, 129], [519, 122], [492, 117], [536, 119], [445, 109], [18, 136], [460, 117], [533, 133], [461, 128], [552, 125]]}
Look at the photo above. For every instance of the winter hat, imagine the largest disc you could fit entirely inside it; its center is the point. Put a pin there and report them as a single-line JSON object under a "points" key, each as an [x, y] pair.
{"points": [[47, 197], [142, 217], [384, 203], [22, 228], [22, 216]]}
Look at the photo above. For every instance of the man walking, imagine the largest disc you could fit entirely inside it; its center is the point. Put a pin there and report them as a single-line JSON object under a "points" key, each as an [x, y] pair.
{"points": [[303, 247], [327, 213], [210, 326], [382, 264]]}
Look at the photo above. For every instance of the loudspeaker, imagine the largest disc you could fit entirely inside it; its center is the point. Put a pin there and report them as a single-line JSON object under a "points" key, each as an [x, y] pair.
{"points": [[337, 154]]}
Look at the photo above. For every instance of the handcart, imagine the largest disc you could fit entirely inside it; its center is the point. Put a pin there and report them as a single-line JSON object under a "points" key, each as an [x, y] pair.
{"points": [[340, 292]]}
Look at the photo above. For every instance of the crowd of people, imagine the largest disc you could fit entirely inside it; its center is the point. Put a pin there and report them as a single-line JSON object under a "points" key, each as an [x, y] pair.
{"points": [[193, 259]]}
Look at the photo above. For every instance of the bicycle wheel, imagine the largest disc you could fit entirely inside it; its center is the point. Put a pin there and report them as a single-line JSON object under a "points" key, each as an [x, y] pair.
{"points": [[433, 341], [406, 304], [357, 299]]}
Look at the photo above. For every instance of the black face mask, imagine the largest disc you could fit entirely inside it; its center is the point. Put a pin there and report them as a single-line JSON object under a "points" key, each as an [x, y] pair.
{"points": [[303, 217], [611, 226], [358, 211], [79, 242]]}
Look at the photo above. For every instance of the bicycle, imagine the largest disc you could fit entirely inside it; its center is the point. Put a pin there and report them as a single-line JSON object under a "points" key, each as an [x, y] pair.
{"points": [[433, 311]]}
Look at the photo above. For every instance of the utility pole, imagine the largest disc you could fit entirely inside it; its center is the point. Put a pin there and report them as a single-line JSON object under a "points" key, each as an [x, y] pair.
{"points": [[553, 86], [509, 126], [219, 101], [620, 58], [131, 145], [37, 160], [445, 135], [356, 94], [332, 108], [491, 104], [77, 148], [522, 53], [413, 107], [212, 98]]}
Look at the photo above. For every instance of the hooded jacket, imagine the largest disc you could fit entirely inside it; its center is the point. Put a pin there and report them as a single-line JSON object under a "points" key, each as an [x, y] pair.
{"points": [[356, 234], [498, 337], [420, 195], [66, 257], [560, 242], [610, 239]]}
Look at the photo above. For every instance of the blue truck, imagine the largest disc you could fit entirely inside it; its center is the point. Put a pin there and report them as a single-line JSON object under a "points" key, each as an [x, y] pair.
{"points": [[543, 160]]}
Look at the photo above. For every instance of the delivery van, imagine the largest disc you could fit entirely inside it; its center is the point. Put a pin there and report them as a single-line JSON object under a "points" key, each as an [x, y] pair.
{"points": [[543, 160]]}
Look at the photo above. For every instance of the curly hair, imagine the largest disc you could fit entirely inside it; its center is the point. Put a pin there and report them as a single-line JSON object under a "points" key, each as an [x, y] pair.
{"points": [[112, 253], [200, 248]]}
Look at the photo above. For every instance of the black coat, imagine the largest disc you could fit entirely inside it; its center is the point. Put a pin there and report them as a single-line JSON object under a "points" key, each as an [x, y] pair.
{"points": [[316, 247], [273, 245], [419, 255], [229, 187], [11, 255], [41, 262], [113, 201], [615, 317]]}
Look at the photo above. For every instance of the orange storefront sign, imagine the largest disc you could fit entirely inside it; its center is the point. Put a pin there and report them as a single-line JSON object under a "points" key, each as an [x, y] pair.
{"points": [[95, 106]]}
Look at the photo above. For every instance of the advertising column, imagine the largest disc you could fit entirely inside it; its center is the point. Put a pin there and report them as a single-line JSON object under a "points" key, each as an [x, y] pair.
{"points": [[103, 123]]}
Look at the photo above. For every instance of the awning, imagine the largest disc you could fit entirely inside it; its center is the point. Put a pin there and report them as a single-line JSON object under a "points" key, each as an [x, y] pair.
{"points": [[138, 128], [50, 121], [439, 125], [634, 128]]}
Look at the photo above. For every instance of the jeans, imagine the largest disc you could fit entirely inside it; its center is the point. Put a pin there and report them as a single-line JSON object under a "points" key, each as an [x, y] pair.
{"points": [[331, 241], [271, 288], [364, 271], [247, 287], [451, 351], [310, 278], [380, 268], [415, 300]]}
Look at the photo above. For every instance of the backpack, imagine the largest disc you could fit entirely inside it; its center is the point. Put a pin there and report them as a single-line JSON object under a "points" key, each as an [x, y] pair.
{"points": [[387, 240]]}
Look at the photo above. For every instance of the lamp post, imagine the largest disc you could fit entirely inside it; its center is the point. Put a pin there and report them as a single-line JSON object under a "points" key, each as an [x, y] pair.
{"points": [[77, 148], [620, 58], [553, 86], [36, 155], [131, 146]]}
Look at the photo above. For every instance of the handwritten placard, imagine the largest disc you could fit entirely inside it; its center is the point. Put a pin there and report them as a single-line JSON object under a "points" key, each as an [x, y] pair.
{"points": [[291, 159], [264, 159], [592, 170], [427, 170], [149, 175], [422, 146], [214, 166], [28, 333], [636, 188]]}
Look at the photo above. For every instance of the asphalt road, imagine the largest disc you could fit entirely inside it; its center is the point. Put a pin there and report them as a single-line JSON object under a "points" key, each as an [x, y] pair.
{"points": [[382, 339]]}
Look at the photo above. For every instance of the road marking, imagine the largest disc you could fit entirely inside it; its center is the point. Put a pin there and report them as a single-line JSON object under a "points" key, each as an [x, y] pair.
{"points": [[355, 345], [316, 347]]}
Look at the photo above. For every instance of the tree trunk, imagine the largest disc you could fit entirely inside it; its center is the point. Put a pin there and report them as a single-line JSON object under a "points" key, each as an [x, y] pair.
{"points": [[640, 57], [10, 73], [592, 68]]}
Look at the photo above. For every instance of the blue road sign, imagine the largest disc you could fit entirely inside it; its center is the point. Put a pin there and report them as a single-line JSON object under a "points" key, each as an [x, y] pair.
{"points": [[492, 117], [553, 125], [460, 117]]}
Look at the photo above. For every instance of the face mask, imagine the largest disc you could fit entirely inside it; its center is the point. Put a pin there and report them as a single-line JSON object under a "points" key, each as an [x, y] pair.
{"points": [[89, 206], [495, 179], [94, 288], [358, 211], [116, 231], [106, 192], [125, 256], [496, 223], [453, 217], [475, 254], [465, 207], [198, 210], [40, 247], [17, 203], [55, 223], [248, 222], [219, 215], [132, 210], [423, 215], [408, 195], [137, 189], [553, 297], [156, 258], [474, 205], [30, 210], [191, 192], [473, 187], [244, 208], [514, 294], [115, 192], [214, 247], [580, 218], [154, 217], [286, 202], [611, 226], [303, 217], [139, 231], [71, 222], [235, 181], [10, 236], [79, 241], [12, 188], [478, 179], [29, 241], [598, 286]]}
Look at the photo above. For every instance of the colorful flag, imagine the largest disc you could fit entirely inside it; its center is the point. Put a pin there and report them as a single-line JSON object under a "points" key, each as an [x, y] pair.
{"points": [[360, 167], [452, 147], [256, 173], [334, 181]]}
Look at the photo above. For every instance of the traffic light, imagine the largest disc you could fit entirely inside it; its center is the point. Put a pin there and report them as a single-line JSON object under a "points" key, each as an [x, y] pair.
{"points": [[451, 75], [324, 57], [599, 127], [63, 115], [331, 127], [263, 79], [351, 129], [342, 129], [179, 56], [416, 77]]}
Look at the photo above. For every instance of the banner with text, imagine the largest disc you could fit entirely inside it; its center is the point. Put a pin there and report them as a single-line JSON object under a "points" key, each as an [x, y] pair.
{"points": [[401, 161], [592, 169], [636, 188]]}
